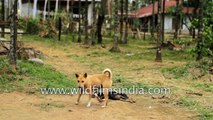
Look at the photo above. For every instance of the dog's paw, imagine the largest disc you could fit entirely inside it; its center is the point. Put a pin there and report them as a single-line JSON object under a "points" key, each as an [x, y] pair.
{"points": [[88, 106], [76, 103], [103, 106]]}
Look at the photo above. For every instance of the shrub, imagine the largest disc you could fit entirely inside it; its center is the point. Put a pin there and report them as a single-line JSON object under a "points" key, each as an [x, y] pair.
{"points": [[47, 29], [29, 25]]}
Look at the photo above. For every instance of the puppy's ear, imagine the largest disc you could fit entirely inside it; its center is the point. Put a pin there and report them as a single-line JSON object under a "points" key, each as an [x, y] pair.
{"points": [[85, 75], [76, 75]]}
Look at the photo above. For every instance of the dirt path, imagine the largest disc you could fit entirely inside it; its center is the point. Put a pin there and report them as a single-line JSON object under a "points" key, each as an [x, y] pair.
{"points": [[15, 106], [22, 106]]}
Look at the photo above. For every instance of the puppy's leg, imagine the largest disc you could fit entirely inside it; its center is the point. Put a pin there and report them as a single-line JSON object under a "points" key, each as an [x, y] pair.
{"points": [[105, 91], [90, 96]]}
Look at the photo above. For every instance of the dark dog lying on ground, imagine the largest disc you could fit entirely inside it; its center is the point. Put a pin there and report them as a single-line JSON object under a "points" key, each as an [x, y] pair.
{"points": [[114, 95]]}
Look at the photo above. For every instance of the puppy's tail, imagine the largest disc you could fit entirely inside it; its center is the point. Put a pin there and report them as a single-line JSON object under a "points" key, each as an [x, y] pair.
{"points": [[108, 72]]}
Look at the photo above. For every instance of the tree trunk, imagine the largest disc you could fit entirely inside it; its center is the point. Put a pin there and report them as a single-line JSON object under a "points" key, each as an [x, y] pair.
{"points": [[100, 22], [79, 21], [3, 18], [34, 8], [200, 31], [115, 47], [45, 9], [153, 20], [48, 9], [158, 53], [99, 27], [177, 19], [13, 35], [121, 22], [94, 21], [86, 23], [163, 19], [126, 21], [109, 7]]}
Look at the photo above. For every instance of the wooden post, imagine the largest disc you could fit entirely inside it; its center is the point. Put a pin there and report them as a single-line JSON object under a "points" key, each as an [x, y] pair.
{"points": [[3, 18], [13, 35]]}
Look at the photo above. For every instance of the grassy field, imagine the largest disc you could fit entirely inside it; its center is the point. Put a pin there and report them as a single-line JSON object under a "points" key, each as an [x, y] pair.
{"points": [[134, 65]]}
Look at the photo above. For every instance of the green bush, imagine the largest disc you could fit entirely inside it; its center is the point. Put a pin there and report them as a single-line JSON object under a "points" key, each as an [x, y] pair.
{"points": [[29, 25]]}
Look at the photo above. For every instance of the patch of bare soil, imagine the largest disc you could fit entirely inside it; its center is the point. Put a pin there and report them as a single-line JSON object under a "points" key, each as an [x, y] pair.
{"points": [[14, 106], [22, 106]]}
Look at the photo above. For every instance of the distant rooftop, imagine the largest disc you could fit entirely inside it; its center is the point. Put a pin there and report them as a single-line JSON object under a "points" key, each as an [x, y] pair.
{"points": [[147, 10]]}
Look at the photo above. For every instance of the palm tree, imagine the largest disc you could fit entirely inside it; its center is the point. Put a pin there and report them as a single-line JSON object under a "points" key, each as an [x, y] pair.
{"points": [[163, 19], [200, 31], [13, 35], [3, 18], [177, 19], [115, 47], [153, 20], [86, 23], [158, 53], [121, 22], [94, 21], [101, 17], [79, 21], [126, 21]]}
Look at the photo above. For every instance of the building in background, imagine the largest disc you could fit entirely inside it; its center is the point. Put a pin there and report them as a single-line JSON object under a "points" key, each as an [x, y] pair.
{"points": [[144, 14], [36, 8]]}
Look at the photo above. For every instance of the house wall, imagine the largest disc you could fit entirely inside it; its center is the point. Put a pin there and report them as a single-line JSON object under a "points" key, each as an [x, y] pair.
{"points": [[168, 24], [27, 12]]}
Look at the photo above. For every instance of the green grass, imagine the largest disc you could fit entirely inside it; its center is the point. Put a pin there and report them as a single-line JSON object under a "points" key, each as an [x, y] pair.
{"points": [[204, 86], [134, 52], [30, 77], [204, 113], [176, 72]]}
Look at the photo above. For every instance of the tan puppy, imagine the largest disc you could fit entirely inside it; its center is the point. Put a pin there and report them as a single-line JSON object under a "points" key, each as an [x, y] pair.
{"points": [[97, 80]]}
